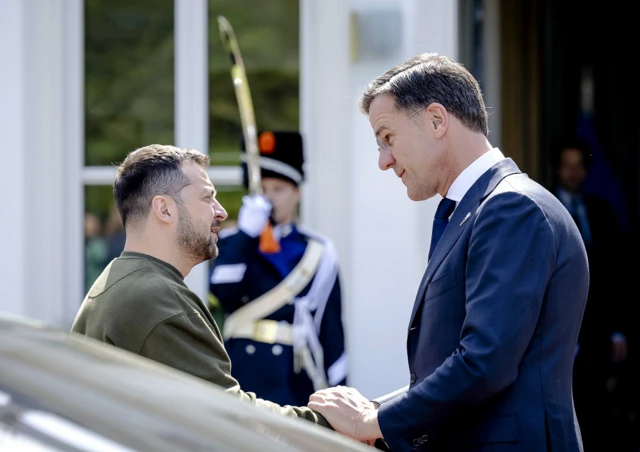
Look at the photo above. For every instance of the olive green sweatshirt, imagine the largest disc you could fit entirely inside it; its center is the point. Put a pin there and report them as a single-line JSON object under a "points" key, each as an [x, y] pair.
{"points": [[142, 304]]}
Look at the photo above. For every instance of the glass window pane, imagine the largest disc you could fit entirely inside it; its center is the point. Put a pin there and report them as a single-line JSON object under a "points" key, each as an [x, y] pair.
{"points": [[129, 77], [103, 232], [231, 200], [268, 37]]}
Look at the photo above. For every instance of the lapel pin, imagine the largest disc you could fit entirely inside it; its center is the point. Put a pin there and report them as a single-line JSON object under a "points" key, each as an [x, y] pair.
{"points": [[465, 218]]}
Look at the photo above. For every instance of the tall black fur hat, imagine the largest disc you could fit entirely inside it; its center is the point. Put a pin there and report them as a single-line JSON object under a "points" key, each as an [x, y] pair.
{"points": [[281, 156]]}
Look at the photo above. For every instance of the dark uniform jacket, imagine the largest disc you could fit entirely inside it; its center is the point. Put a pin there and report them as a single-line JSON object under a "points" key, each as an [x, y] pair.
{"points": [[242, 273]]}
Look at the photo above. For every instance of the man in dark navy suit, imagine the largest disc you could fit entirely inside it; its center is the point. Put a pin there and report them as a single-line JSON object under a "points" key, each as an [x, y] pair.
{"points": [[279, 285], [495, 323]]}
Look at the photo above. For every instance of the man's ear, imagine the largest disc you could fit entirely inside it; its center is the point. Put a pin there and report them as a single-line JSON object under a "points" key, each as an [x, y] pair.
{"points": [[163, 208], [437, 119]]}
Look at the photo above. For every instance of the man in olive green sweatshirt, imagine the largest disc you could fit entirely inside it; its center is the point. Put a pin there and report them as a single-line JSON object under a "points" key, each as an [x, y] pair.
{"points": [[140, 302]]}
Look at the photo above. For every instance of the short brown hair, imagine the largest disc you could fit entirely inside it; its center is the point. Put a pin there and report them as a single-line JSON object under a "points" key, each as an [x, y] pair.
{"points": [[428, 78], [150, 171]]}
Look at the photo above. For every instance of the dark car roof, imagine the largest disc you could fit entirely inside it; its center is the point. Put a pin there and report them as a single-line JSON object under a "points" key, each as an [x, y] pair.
{"points": [[137, 402]]}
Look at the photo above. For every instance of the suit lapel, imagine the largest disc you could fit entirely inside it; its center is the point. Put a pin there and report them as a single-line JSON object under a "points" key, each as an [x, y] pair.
{"points": [[464, 215]]}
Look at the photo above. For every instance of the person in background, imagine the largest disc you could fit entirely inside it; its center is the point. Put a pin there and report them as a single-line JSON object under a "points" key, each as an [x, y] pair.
{"points": [[114, 234], [278, 283], [95, 249], [601, 371]]}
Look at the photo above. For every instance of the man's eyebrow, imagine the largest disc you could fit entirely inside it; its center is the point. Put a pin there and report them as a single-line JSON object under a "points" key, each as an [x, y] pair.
{"points": [[380, 129], [210, 191]]}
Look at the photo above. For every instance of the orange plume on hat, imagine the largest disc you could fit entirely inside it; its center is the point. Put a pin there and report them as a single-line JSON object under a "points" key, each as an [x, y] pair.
{"points": [[267, 142]]}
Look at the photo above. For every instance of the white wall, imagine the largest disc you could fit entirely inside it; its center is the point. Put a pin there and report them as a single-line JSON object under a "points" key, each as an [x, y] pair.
{"points": [[382, 237], [12, 139], [41, 269], [192, 97]]}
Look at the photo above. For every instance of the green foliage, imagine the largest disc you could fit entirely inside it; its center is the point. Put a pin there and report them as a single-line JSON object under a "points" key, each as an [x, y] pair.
{"points": [[267, 33], [98, 200], [275, 104], [268, 37], [129, 77], [231, 200], [130, 83]]}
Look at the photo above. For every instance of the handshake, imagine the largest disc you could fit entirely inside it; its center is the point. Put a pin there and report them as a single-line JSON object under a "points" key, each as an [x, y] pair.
{"points": [[348, 412]]}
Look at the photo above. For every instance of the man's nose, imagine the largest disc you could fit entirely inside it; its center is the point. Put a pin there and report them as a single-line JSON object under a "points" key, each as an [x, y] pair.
{"points": [[220, 212], [385, 160]]}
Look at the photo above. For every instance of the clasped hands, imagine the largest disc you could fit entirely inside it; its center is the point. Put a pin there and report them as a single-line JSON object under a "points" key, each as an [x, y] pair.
{"points": [[348, 412]]}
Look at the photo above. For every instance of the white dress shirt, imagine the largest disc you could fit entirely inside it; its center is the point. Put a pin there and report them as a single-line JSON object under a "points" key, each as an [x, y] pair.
{"points": [[472, 173]]}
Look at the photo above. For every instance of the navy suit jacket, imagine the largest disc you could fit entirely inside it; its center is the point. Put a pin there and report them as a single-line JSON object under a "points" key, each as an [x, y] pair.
{"points": [[494, 326]]}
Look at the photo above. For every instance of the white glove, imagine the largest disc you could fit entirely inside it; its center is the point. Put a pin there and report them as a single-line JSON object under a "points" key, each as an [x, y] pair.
{"points": [[254, 214]]}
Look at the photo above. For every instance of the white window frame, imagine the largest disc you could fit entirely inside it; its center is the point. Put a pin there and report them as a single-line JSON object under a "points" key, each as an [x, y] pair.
{"points": [[191, 119]]}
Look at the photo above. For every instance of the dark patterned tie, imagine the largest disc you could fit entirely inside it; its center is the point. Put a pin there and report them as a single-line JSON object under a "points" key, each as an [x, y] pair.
{"points": [[440, 221]]}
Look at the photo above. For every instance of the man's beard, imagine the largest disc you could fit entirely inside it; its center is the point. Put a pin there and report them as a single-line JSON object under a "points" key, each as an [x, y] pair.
{"points": [[197, 246]]}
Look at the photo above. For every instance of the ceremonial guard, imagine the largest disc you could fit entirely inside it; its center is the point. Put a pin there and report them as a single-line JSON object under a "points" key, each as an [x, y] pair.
{"points": [[279, 286]]}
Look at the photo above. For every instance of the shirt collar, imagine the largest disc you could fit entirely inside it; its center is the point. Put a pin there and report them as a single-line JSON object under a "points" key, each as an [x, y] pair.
{"points": [[472, 173], [283, 230]]}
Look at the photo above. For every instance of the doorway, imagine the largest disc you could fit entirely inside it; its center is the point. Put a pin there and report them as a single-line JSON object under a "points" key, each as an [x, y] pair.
{"points": [[566, 68]]}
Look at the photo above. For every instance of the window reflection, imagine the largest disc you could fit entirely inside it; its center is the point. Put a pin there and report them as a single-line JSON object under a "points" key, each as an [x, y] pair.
{"points": [[129, 92], [103, 231], [129, 77], [104, 234], [268, 37], [231, 200]]}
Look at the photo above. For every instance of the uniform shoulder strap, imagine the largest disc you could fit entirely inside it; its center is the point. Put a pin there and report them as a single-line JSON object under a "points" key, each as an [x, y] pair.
{"points": [[280, 295]]}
